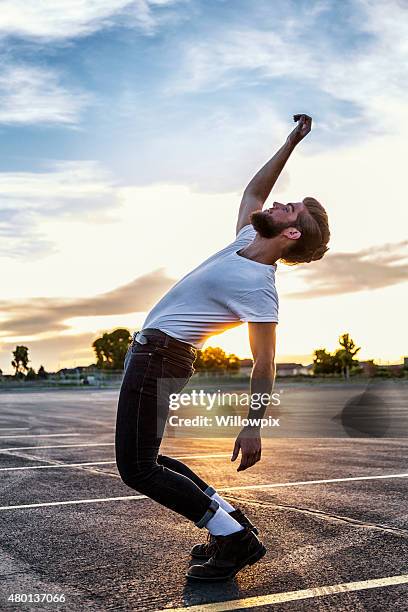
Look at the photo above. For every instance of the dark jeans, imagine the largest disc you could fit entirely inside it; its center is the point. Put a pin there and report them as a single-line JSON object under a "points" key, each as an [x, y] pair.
{"points": [[161, 366]]}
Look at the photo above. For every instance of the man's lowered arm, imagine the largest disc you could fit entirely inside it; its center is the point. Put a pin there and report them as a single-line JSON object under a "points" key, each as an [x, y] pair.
{"points": [[262, 338]]}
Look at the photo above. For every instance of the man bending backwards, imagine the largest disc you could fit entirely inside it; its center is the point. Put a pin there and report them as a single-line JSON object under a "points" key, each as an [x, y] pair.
{"points": [[235, 285]]}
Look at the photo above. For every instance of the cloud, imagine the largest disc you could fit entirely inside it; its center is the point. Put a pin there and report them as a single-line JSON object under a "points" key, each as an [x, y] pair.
{"points": [[54, 353], [38, 316], [32, 94], [368, 269], [56, 21], [70, 189], [230, 151], [374, 76], [356, 55], [228, 58], [339, 273], [35, 94]]}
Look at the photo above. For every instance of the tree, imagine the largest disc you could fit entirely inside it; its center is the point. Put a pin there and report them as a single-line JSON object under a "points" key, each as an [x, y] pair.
{"points": [[324, 362], [340, 362], [233, 363], [111, 349], [20, 360], [214, 359], [346, 354], [31, 375], [42, 373], [199, 361]]}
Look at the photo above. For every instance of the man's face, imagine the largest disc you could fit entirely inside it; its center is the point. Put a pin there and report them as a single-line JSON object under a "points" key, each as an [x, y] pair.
{"points": [[285, 213], [270, 222]]}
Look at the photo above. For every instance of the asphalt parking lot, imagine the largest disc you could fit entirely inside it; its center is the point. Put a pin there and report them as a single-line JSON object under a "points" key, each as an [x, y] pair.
{"points": [[332, 512]]}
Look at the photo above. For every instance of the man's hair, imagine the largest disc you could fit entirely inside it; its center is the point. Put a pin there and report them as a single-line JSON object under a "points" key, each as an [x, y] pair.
{"points": [[313, 224]]}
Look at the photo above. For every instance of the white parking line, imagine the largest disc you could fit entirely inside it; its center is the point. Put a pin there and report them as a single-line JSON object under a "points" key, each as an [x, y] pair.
{"points": [[18, 448], [74, 501], [51, 467], [242, 488], [68, 465], [310, 482], [203, 456], [278, 598], [13, 428], [61, 435]]}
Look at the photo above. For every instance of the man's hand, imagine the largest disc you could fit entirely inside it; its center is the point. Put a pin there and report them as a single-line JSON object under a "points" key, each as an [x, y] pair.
{"points": [[301, 130], [249, 441]]}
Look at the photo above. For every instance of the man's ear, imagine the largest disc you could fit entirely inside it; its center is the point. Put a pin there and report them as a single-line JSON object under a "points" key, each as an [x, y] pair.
{"points": [[292, 233]]}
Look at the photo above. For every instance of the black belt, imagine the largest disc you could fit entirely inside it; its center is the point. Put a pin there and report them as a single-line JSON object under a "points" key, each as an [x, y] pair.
{"points": [[145, 335]]}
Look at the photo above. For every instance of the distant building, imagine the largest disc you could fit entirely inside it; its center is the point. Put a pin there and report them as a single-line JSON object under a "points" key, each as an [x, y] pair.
{"points": [[77, 369], [293, 369], [246, 363], [368, 367], [388, 370], [282, 369], [82, 374], [395, 369]]}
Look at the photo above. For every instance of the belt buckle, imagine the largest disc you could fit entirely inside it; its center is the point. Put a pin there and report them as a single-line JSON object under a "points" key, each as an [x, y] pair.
{"points": [[140, 338]]}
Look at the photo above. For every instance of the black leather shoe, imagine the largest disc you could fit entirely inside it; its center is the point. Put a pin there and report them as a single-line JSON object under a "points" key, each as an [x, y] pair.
{"points": [[205, 551], [233, 552]]}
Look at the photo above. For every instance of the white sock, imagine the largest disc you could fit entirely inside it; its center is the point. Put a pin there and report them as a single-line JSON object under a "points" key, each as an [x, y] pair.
{"points": [[223, 503], [222, 524]]}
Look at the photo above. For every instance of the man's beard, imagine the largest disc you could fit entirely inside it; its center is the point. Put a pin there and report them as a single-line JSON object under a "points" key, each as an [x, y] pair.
{"points": [[265, 225]]}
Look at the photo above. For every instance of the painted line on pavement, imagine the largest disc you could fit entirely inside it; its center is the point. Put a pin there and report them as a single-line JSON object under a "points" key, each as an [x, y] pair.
{"points": [[311, 482], [74, 501], [203, 456], [54, 465], [242, 488], [69, 465], [55, 435], [18, 448], [279, 598]]}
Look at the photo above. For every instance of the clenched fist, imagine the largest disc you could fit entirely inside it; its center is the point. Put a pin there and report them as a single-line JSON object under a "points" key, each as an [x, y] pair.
{"points": [[301, 130]]}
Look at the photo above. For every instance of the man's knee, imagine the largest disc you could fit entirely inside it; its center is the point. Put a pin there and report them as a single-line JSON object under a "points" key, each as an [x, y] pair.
{"points": [[138, 476]]}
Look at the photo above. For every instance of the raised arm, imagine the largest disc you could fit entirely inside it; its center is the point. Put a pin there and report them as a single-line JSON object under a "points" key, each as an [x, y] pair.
{"points": [[259, 188]]}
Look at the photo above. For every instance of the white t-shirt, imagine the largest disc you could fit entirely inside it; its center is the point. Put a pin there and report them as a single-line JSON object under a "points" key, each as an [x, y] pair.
{"points": [[222, 292]]}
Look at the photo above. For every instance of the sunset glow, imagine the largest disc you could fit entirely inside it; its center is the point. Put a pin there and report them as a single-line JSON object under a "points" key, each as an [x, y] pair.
{"points": [[128, 137]]}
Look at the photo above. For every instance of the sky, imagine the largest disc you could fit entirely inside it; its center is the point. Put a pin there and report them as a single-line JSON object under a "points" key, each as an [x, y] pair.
{"points": [[130, 129]]}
